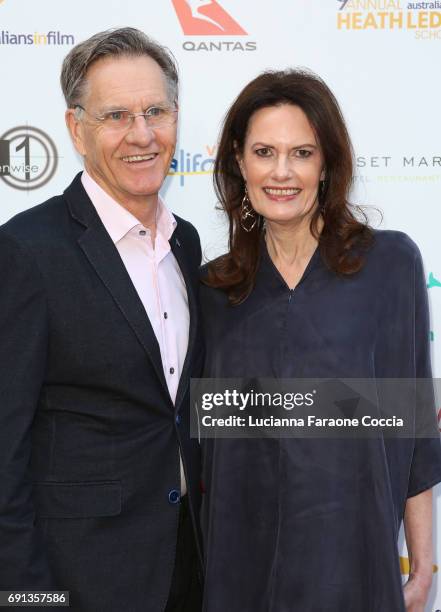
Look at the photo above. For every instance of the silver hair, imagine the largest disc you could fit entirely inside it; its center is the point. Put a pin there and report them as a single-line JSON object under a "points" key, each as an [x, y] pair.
{"points": [[128, 42]]}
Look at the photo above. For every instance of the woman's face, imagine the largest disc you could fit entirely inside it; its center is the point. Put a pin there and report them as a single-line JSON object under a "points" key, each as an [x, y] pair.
{"points": [[282, 164]]}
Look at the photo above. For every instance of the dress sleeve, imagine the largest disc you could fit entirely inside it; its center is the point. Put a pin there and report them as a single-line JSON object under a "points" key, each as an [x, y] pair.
{"points": [[425, 470]]}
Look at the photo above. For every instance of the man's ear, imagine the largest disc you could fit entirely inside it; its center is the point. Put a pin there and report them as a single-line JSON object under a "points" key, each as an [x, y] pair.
{"points": [[76, 130]]}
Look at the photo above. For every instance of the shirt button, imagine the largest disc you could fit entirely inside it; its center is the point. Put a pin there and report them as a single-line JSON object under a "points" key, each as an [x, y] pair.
{"points": [[178, 419], [165, 315], [172, 370], [174, 496], [142, 232]]}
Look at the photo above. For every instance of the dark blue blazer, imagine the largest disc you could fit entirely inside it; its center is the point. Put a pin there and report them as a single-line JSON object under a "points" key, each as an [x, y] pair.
{"points": [[89, 436]]}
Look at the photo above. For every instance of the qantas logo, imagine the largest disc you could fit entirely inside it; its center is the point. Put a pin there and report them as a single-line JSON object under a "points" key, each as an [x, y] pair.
{"points": [[206, 18]]}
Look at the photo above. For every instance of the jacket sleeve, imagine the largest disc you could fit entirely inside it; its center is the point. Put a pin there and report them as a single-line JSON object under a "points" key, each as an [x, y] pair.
{"points": [[23, 352], [426, 462]]}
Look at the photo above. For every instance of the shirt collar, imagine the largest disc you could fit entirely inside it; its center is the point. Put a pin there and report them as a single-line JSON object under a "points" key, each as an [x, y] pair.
{"points": [[117, 220]]}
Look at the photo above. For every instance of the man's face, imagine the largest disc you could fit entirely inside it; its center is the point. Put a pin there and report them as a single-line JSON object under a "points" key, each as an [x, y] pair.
{"points": [[129, 164]]}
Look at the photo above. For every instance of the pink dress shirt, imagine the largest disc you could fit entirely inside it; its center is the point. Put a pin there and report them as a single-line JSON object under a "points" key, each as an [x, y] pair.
{"points": [[156, 275]]}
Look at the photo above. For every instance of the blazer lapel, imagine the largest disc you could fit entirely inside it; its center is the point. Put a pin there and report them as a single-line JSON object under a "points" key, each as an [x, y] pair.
{"points": [[106, 261], [178, 249]]}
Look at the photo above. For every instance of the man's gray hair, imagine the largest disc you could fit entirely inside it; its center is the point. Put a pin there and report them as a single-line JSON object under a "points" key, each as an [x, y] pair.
{"points": [[122, 42]]}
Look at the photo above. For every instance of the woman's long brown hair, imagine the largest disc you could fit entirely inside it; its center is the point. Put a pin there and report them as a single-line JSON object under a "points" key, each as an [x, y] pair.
{"points": [[343, 239]]}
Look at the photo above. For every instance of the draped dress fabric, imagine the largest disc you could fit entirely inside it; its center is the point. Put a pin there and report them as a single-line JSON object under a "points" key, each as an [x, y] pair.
{"points": [[311, 525]]}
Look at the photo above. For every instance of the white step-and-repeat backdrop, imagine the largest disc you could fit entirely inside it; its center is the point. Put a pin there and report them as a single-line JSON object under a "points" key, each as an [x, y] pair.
{"points": [[381, 58]]}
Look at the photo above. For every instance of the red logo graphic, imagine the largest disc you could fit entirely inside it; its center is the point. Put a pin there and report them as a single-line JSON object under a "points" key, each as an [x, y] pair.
{"points": [[205, 18]]}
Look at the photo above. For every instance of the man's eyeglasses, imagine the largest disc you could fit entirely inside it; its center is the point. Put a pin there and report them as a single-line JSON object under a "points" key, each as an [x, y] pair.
{"points": [[121, 119]]}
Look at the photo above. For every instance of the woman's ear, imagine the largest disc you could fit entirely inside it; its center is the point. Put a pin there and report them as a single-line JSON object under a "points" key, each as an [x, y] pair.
{"points": [[323, 175], [239, 159], [241, 168]]}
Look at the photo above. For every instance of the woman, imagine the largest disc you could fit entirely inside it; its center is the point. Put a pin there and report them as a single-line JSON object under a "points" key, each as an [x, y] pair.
{"points": [[307, 290]]}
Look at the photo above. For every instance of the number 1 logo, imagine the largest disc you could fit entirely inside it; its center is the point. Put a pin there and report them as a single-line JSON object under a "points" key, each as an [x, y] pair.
{"points": [[28, 158]]}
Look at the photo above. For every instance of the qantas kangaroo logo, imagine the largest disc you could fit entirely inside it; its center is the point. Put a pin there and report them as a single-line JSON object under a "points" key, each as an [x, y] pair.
{"points": [[206, 18]]}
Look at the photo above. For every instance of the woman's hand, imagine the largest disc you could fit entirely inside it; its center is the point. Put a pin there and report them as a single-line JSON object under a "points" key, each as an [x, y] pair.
{"points": [[416, 591], [418, 532]]}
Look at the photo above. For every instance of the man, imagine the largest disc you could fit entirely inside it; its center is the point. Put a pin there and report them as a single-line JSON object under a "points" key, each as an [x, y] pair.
{"points": [[99, 488]]}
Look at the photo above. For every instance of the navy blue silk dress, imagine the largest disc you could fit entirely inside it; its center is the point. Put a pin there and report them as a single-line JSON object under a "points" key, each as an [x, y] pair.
{"points": [[311, 525]]}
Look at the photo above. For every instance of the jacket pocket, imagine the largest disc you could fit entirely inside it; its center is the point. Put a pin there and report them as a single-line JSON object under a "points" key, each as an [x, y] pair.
{"points": [[77, 499]]}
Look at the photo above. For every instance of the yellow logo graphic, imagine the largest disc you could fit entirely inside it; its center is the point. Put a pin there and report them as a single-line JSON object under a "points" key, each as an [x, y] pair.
{"points": [[405, 566], [421, 18]]}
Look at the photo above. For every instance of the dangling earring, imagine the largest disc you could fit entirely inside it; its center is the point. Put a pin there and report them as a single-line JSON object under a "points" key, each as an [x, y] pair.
{"points": [[248, 217]]}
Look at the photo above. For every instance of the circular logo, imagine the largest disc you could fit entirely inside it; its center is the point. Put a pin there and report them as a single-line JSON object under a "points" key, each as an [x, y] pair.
{"points": [[28, 157]]}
